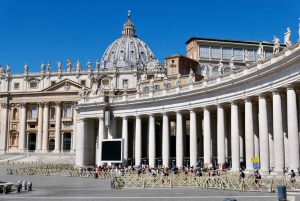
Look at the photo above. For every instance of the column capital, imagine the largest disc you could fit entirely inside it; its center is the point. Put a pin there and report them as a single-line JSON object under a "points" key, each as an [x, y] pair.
{"points": [[46, 104], [275, 92], [137, 116], [178, 111], [220, 105], [206, 108], [165, 113], [262, 96], [124, 117], [4, 105], [57, 103], [248, 99], [23, 105], [234, 103], [192, 110], [290, 87], [100, 117], [40, 104]]}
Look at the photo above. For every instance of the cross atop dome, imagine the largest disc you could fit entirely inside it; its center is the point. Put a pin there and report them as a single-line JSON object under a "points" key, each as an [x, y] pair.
{"points": [[128, 28]]}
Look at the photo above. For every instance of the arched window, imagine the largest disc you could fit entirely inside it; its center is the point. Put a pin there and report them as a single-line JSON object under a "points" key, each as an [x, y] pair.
{"points": [[15, 113], [53, 112], [227, 70], [215, 71], [68, 112], [146, 89], [33, 112], [168, 85]]}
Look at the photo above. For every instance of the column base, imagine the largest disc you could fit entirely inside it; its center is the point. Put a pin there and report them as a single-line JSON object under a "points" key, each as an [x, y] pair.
{"points": [[2, 151], [43, 151]]}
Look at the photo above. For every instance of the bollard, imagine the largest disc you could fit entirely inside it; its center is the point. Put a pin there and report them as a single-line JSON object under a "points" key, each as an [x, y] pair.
{"points": [[95, 175], [229, 199], [281, 193], [29, 186]]}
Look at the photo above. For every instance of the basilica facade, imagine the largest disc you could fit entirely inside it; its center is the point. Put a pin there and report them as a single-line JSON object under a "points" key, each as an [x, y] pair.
{"points": [[245, 104]]}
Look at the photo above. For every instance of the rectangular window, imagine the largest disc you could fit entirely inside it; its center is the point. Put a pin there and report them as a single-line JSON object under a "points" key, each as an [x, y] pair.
{"points": [[105, 82], [68, 112], [215, 52], [82, 82], [251, 54], [33, 84], [31, 126], [226, 52], [156, 87], [268, 53], [16, 85], [52, 125], [33, 113], [53, 83], [168, 85], [204, 51], [238, 53]]}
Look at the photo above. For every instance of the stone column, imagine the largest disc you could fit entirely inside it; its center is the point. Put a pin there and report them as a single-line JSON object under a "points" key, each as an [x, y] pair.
{"points": [[22, 135], [242, 134], [40, 126], [74, 128], [193, 138], [100, 138], [270, 131], [45, 127], [285, 130], [292, 128], [165, 141], [3, 134], [278, 132], [80, 146], [235, 144], [207, 135], [255, 129], [57, 128], [249, 137], [152, 148], [263, 134], [138, 140], [179, 140], [62, 142], [125, 137], [221, 134]]}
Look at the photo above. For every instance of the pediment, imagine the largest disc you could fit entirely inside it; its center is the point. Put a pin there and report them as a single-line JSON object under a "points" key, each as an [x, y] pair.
{"points": [[65, 85]]}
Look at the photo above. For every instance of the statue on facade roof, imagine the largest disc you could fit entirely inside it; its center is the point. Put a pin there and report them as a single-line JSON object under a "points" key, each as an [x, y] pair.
{"points": [[151, 84], [178, 80], [136, 63], [287, 37], [94, 88], [205, 72], [299, 29], [125, 87], [260, 52], [138, 86], [81, 93], [231, 63], [69, 64], [7, 69], [112, 89], [89, 65], [97, 65], [59, 65], [101, 89], [115, 64], [246, 56], [165, 81], [1, 70], [78, 66], [48, 67], [191, 77], [276, 45], [25, 68], [42, 67]]}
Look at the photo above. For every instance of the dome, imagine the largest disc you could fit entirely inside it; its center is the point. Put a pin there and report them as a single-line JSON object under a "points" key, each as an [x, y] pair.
{"points": [[127, 49]]}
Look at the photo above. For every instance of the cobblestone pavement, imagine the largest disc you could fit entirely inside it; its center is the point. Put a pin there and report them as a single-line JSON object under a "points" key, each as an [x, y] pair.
{"points": [[74, 188]]}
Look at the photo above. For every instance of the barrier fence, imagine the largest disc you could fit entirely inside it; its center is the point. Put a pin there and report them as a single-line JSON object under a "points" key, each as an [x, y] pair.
{"points": [[131, 179]]}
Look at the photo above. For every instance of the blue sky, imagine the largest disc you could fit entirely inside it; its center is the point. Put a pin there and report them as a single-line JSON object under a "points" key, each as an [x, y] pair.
{"points": [[36, 31]]}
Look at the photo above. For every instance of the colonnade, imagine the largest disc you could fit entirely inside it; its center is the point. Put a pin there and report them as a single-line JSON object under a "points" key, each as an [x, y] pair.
{"points": [[240, 129]]}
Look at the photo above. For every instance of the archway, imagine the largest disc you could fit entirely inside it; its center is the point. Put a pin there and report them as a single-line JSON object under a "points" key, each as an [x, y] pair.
{"points": [[51, 144], [31, 141]]}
